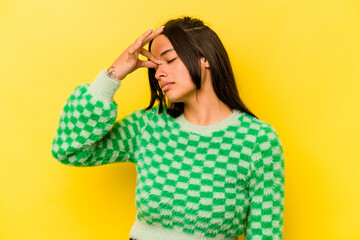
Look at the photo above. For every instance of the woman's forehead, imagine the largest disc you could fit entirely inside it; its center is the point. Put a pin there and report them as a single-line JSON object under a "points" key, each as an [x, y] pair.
{"points": [[160, 44]]}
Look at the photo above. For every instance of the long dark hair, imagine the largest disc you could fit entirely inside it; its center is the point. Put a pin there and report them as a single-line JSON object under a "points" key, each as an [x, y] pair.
{"points": [[192, 40]]}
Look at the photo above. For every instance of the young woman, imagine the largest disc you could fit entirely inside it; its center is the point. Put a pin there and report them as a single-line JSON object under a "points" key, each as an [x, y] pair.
{"points": [[207, 168]]}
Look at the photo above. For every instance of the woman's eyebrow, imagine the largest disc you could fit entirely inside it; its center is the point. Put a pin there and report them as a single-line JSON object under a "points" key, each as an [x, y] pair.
{"points": [[166, 51]]}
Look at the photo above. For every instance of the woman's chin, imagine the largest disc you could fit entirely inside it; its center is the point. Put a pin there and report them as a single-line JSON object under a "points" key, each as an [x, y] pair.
{"points": [[171, 97]]}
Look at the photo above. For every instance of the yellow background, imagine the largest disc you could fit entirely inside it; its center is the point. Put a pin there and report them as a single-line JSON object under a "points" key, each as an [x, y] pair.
{"points": [[297, 65]]}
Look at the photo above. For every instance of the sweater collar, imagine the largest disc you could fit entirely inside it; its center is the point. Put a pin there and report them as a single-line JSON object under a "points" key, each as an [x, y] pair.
{"points": [[233, 119]]}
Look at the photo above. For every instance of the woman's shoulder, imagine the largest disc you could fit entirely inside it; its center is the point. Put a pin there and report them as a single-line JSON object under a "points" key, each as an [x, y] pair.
{"points": [[257, 125], [147, 113]]}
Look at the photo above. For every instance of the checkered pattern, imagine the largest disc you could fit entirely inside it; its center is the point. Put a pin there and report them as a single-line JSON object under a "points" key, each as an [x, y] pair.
{"points": [[266, 187], [207, 185], [87, 135]]}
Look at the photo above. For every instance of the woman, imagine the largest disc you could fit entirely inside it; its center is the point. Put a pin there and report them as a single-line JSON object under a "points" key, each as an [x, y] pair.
{"points": [[207, 168]]}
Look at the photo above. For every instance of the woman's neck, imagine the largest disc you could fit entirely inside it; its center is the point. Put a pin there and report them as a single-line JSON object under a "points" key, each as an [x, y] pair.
{"points": [[205, 108], [206, 111]]}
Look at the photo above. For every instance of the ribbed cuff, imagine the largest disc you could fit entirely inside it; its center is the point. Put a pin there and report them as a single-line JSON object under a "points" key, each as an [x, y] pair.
{"points": [[141, 230], [104, 87]]}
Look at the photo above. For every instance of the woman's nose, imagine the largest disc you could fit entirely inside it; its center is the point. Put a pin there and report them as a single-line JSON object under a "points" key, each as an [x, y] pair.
{"points": [[160, 72]]}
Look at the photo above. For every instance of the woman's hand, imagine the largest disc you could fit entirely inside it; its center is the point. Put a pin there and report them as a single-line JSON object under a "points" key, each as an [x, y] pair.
{"points": [[129, 61]]}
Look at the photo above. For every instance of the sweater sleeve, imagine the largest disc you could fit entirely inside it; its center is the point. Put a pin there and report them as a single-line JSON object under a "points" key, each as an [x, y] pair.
{"points": [[266, 187], [87, 134]]}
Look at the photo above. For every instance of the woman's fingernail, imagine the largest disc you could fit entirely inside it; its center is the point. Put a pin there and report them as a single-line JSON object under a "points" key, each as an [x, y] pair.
{"points": [[163, 26]]}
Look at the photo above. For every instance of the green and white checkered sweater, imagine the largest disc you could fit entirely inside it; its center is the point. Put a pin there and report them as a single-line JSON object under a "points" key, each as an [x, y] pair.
{"points": [[193, 182]]}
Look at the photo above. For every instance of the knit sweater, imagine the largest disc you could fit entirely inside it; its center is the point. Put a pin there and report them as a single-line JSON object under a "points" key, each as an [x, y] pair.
{"points": [[193, 182]]}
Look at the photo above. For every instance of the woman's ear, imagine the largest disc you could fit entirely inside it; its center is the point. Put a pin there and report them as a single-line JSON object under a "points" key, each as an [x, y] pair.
{"points": [[204, 62]]}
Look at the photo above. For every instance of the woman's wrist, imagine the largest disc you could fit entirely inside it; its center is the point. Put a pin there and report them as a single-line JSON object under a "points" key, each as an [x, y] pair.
{"points": [[111, 73]]}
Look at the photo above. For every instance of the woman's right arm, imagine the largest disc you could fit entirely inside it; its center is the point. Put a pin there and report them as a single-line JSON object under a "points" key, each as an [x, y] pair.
{"points": [[87, 134]]}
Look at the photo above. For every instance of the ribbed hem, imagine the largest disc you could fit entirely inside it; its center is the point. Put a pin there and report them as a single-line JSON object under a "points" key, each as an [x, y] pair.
{"points": [[103, 87], [143, 231], [188, 126]]}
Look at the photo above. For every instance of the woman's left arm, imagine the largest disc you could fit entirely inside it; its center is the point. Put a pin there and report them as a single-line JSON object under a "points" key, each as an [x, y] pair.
{"points": [[266, 187]]}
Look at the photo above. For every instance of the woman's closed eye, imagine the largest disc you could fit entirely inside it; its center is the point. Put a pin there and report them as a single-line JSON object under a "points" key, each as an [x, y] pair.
{"points": [[167, 62], [171, 60]]}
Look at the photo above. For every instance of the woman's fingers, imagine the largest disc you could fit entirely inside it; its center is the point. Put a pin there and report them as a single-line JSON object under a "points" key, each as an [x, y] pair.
{"points": [[143, 37], [137, 47], [148, 64], [148, 35], [147, 54], [138, 42], [128, 61], [152, 35]]}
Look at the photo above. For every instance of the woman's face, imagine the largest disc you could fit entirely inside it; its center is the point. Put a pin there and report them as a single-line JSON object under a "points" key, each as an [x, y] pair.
{"points": [[181, 87]]}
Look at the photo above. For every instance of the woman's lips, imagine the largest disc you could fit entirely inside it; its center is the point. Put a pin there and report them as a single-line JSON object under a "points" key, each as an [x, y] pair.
{"points": [[166, 86]]}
